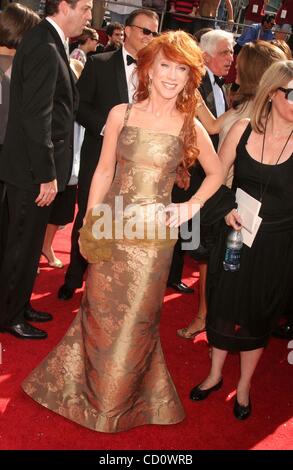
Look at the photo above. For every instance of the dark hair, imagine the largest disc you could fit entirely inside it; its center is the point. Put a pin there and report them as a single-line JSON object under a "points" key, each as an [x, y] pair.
{"points": [[112, 26], [52, 6], [268, 18], [150, 13], [197, 36], [87, 33], [15, 21]]}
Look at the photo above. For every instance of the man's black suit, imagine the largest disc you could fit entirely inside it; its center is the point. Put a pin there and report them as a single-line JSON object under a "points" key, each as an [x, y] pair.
{"points": [[37, 149], [102, 86], [196, 178]]}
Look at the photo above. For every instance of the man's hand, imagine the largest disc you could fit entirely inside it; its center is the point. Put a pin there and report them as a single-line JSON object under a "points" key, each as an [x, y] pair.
{"points": [[47, 194]]}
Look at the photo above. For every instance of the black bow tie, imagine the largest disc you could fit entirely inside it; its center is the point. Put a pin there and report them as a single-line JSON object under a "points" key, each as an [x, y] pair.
{"points": [[219, 80], [130, 60]]}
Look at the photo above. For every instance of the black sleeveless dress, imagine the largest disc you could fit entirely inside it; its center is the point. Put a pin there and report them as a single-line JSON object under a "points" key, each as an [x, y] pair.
{"points": [[243, 306]]}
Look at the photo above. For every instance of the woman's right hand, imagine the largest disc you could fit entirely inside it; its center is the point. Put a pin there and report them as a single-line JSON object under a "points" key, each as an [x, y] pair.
{"points": [[233, 219]]}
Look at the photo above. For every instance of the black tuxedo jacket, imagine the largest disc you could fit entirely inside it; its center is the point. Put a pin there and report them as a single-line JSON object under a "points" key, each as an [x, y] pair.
{"points": [[38, 143], [102, 86], [206, 91]]}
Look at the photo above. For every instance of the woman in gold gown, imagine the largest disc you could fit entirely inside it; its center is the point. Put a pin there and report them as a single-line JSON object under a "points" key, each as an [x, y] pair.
{"points": [[108, 372]]}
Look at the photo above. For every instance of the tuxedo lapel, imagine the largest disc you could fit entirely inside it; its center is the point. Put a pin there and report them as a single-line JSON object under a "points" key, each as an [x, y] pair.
{"points": [[210, 100], [121, 76]]}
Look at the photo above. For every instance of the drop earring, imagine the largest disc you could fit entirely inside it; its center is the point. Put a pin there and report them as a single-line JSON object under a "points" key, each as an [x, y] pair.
{"points": [[150, 86]]}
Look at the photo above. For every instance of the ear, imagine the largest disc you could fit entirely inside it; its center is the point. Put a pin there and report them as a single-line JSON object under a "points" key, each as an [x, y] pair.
{"points": [[206, 57], [63, 7], [127, 30]]}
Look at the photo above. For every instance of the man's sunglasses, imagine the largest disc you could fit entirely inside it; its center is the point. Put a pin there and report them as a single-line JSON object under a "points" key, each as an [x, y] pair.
{"points": [[146, 31], [288, 93]]}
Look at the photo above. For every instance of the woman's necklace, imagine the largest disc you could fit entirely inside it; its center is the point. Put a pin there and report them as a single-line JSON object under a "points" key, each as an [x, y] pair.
{"points": [[262, 191]]}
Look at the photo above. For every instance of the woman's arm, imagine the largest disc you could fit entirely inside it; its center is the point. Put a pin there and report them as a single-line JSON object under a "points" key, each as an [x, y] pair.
{"points": [[212, 125], [210, 162], [105, 170], [211, 165], [228, 148]]}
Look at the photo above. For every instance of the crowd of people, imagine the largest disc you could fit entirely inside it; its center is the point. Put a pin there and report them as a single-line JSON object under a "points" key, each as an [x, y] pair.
{"points": [[147, 118]]}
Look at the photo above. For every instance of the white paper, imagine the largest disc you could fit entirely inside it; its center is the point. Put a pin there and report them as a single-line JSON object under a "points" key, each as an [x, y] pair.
{"points": [[283, 13], [249, 237], [254, 8], [248, 209]]}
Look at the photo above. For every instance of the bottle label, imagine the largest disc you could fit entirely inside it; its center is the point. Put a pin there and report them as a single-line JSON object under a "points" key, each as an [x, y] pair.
{"points": [[232, 256]]}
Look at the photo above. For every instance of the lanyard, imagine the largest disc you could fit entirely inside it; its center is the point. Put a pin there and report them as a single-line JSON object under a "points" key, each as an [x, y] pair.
{"points": [[263, 190]]}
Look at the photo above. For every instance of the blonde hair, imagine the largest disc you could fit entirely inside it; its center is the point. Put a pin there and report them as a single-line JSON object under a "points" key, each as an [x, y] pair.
{"points": [[277, 75]]}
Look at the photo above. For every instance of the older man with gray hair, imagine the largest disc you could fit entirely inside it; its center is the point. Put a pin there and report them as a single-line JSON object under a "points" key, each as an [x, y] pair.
{"points": [[217, 47]]}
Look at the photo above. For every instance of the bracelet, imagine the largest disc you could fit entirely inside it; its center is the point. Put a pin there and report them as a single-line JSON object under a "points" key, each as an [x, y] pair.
{"points": [[201, 203]]}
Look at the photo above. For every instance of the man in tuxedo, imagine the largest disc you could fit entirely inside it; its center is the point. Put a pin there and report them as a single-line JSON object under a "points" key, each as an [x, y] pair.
{"points": [[217, 47], [105, 82], [36, 158]]}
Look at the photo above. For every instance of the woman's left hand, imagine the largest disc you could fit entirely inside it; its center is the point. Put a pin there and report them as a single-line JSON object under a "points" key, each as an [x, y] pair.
{"points": [[180, 213], [233, 219]]}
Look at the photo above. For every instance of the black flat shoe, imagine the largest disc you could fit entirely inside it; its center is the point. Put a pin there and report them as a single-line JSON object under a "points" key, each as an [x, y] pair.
{"points": [[180, 287], [240, 411], [30, 314], [65, 292], [25, 331], [197, 393]]}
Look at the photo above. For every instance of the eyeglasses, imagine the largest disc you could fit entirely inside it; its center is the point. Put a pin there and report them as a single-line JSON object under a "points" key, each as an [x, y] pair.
{"points": [[146, 31], [288, 93]]}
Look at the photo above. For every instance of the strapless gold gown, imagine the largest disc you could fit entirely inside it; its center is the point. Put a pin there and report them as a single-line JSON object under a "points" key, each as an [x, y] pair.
{"points": [[108, 372]]}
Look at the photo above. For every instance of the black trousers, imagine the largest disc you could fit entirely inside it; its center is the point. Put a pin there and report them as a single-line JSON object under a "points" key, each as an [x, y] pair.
{"points": [[23, 225], [176, 268], [77, 265]]}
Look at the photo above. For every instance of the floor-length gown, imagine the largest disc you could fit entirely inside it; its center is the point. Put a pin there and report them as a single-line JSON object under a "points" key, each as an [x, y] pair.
{"points": [[108, 372], [244, 306]]}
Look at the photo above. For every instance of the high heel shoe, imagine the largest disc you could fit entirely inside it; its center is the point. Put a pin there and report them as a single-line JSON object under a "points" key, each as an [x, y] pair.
{"points": [[241, 411], [184, 333], [57, 263], [197, 393], [187, 334]]}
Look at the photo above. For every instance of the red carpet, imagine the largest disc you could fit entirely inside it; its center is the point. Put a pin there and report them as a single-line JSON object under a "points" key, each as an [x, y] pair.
{"points": [[208, 425]]}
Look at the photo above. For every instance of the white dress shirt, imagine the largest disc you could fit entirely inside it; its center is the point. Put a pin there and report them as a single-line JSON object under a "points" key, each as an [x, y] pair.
{"points": [[131, 76]]}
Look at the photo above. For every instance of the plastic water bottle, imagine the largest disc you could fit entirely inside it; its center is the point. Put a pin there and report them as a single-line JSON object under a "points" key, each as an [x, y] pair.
{"points": [[234, 244]]}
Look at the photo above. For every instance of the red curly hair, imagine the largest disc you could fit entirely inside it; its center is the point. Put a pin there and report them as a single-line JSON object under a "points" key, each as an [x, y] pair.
{"points": [[179, 47]]}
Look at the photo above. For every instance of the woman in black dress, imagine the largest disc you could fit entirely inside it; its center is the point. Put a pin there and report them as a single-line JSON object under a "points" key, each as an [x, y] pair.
{"points": [[243, 306]]}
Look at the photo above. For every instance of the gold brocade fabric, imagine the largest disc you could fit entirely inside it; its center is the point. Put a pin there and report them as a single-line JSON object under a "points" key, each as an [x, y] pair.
{"points": [[108, 372]]}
